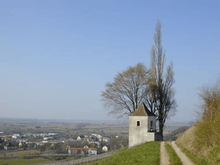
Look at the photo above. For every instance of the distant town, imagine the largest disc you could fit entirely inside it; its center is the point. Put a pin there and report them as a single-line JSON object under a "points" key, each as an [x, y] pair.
{"points": [[70, 138], [41, 137]]}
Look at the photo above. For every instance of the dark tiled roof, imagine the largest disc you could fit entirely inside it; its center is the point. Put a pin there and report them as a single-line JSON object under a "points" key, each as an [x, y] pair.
{"points": [[9, 145], [142, 111], [82, 136]]}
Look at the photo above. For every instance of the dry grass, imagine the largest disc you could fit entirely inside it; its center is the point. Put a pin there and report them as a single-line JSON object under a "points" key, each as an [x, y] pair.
{"points": [[202, 140], [196, 159], [187, 138]]}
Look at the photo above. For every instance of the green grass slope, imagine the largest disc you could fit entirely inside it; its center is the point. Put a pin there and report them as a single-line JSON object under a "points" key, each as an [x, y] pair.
{"points": [[148, 153], [174, 159]]}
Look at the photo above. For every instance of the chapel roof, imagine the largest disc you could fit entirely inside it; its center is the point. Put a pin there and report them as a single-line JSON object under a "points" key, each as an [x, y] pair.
{"points": [[142, 110]]}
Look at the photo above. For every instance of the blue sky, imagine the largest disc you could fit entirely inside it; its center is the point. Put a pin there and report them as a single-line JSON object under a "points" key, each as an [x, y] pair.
{"points": [[56, 56]]}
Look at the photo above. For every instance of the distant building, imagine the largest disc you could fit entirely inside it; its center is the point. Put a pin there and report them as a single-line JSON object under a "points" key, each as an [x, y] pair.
{"points": [[86, 147], [105, 148], [90, 151], [48, 138], [93, 151], [80, 138], [39, 143], [105, 139], [16, 136], [9, 146], [142, 126], [20, 145]]}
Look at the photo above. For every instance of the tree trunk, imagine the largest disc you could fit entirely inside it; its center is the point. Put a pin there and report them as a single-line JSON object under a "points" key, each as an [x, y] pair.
{"points": [[161, 128]]}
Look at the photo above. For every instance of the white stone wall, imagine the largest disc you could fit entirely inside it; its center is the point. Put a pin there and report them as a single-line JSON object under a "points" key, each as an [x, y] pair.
{"points": [[150, 136], [137, 134], [104, 148]]}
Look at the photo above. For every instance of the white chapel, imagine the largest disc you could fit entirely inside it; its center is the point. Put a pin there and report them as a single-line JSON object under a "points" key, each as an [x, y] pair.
{"points": [[142, 126]]}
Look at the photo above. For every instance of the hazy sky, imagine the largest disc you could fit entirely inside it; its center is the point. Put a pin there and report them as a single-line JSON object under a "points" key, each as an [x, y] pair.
{"points": [[56, 56]]}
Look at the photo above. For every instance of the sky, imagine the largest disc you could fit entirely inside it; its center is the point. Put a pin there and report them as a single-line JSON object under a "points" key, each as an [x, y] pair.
{"points": [[57, 55]]}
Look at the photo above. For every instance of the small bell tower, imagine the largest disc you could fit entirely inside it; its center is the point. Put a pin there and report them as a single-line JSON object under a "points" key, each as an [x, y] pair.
{"points": [[142, 126]]}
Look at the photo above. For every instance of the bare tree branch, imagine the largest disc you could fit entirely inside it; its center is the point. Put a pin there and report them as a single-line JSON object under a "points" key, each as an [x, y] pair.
{"points": [[125, 94]]}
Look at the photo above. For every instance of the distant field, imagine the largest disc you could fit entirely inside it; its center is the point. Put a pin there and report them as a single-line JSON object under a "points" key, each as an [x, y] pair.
{"points": [[23, 161], [148, 153], [14, 126], [12, 153]]}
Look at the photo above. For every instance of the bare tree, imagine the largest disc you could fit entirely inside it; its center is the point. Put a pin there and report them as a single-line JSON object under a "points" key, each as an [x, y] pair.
{"points": [[137, 84], [210, 95], [128, 90], [160, 94]]}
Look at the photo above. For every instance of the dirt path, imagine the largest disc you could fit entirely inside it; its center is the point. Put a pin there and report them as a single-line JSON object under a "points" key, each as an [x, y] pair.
{"points": [[184, 159], [164, 157]]}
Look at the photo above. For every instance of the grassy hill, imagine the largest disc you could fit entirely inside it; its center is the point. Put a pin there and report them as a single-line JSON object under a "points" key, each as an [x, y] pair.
{"points": [[202, 141], [201, 152], [148, 153]]}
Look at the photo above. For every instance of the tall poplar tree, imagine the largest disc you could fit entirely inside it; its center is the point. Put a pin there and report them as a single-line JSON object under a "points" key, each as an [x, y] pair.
{"points": [[160, 93]]}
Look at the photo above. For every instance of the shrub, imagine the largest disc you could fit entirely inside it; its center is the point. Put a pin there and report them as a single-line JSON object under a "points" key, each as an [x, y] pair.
{"points": [[208, 130]]}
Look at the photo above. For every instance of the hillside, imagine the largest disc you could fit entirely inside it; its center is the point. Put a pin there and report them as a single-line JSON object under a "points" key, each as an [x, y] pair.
{"points": [[172, 136], [199, 152], [148, 153], [187, 138], [203, 139]]}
